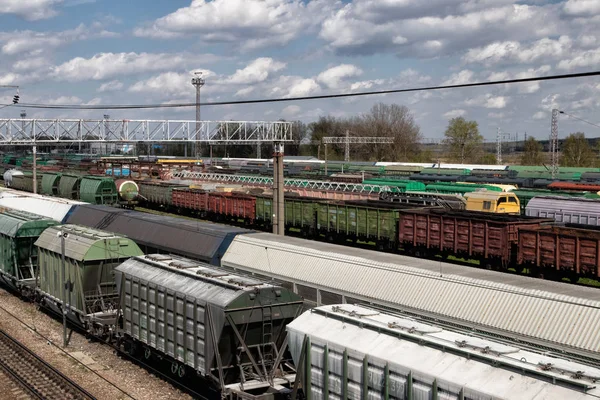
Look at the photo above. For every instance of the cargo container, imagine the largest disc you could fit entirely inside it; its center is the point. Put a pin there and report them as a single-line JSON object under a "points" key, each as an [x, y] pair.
{"points": [[98, 190], [221, 326], [490, 238], [50, 183], [18, 232], [571, 251], [90, 258], [232, 206], [68, 187], [157, 193]]}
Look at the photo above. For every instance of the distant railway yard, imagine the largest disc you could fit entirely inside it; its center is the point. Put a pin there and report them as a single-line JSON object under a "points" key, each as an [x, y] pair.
{"points": [[171, 264]]}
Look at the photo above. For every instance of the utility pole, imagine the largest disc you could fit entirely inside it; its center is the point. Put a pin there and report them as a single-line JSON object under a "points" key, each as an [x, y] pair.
{"points": [[347, 149], [554, 142], [278, 193], [500, 136], [106, 132], [67, 286], [198, 82]]}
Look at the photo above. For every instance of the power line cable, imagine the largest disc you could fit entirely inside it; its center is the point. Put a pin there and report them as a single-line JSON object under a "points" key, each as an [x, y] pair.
{"points": [[580, 119], [303, 98]]}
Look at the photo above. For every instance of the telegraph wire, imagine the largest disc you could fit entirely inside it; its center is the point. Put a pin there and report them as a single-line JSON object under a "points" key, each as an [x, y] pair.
{"points": [[304, 98]]}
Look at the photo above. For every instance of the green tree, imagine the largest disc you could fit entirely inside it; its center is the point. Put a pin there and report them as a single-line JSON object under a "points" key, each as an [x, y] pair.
{"points": [[464, 140], [533, 153], [488, 159], [577, 152]]}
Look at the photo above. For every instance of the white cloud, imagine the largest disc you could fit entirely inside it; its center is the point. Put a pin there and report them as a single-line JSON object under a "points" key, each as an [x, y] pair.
{"points": [[9, 79], [435, 27], [487, 101], [110, 86], [496, 115], [496, 102], [585, 59], [31, 10], [582, 7], [244, 92], [464, 76], [34, 42], [291, 111], [539, 115], [169, 84], [303, 87], [256, 71], [64, 100], [512, 51], [110, 65], [251, 23], [455, 113], [334, 77]]}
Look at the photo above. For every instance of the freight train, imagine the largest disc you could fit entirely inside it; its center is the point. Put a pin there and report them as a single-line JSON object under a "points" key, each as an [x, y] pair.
{"points": [[471, 237], [226, 328]]}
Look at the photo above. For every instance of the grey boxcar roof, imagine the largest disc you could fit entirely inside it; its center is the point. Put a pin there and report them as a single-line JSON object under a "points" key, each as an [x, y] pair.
{"points": [[548, 313], [195, 279], [563, 204], [453, 358], [195, 239]]}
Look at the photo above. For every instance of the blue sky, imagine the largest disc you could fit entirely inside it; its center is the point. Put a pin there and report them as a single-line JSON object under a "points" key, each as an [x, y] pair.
{"points": [[131, 52]]}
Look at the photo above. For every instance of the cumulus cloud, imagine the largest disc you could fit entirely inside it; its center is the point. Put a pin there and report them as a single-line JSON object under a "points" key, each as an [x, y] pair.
{"points": [[515, 52], [34, 42], [455, 113], [334, 77], [432, 28], [110, 86], [256, 71], [582, 7], [585, 59], [539, 115], [169, 83], [291, 111], [462, 77], [109, 65], [487, 101], [251, 23], [30, 10]]}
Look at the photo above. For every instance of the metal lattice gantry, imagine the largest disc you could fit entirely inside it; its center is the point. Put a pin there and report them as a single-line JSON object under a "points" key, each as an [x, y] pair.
{"points": [[29, 131], [288, 182], [348, 140]]}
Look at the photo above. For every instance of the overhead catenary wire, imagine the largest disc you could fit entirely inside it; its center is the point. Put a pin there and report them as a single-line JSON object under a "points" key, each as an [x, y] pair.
{"points": [[580, 119], [305, 98]]}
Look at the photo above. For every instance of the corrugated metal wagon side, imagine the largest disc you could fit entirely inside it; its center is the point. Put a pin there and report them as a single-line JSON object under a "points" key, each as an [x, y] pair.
{"points": [[227, 328], [157, 194], [98, 190], [194, 201], [50, 183], [561, 252], [90, 258], [232, 206], [490, 238], [68, 187]]}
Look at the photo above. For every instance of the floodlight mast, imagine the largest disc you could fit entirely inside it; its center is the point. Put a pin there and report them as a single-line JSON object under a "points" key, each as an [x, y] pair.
{"points": [[198, 82]]}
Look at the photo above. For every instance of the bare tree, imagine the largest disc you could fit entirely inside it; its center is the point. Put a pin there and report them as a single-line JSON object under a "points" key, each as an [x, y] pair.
{"points": [[394, 121]]}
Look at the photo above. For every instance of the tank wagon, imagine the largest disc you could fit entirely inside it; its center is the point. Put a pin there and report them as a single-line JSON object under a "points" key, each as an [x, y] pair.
{"points": [[8, 176], [128, 192], [355, 352], [90, 259], [19, 231], [227, 328]]}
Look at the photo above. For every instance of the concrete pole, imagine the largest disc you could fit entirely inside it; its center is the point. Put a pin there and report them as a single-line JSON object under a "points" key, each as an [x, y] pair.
{"points": [[34, 169], [64, 283], [278, 193], [325, 158]]}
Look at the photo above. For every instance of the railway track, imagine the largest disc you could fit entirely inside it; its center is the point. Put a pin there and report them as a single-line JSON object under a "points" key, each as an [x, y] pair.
{"points": [[37, 378]]}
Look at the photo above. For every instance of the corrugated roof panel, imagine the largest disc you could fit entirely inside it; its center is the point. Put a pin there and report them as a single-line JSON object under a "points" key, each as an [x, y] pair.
{"points": [[195, 239], [49, 207], [501, 303], [483, 368], [565, 209]]}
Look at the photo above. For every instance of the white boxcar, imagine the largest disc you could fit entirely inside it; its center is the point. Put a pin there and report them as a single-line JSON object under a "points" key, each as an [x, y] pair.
{"points": [[354, 352], [567, 210]]}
